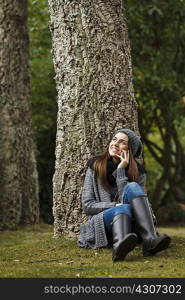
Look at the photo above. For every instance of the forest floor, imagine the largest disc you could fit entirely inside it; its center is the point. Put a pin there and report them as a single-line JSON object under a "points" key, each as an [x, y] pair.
{"points": [[32, 252]]}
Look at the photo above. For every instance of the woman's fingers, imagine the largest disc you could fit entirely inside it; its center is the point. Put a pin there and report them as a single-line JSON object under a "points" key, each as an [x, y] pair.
{"points": [[124, 158], [119, 156], [124, 155]]}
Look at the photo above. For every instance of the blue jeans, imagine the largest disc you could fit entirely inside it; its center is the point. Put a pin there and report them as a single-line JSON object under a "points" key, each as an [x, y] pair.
{"points": [[131, 190]]}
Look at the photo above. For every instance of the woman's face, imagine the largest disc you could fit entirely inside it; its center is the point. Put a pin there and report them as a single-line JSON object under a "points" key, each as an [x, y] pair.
{"points": [[118, 144]]}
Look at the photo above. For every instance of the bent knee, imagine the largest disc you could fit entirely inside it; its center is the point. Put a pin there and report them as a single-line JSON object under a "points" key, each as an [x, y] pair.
{"points": [[133, 189], [133, 184]]}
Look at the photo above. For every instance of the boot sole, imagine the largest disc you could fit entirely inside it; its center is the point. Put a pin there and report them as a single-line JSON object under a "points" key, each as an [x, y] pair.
{"points": [[164, 244], [124, 248]]}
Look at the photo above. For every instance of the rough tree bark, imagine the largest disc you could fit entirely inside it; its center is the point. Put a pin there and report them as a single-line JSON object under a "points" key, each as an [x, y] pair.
{"points": [[18, 180], [92, 61]]}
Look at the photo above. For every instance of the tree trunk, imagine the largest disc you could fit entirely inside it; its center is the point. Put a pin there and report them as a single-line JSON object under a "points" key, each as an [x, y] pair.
{"points": [[92, 61], [18, 180]]}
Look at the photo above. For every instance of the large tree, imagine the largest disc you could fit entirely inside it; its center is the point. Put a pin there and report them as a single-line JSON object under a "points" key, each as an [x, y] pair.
{"points": [[18, 180], [92, 61]]}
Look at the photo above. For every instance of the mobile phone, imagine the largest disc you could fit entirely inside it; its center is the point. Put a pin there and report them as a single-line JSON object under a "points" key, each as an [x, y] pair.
{"points": [[123, 154]]}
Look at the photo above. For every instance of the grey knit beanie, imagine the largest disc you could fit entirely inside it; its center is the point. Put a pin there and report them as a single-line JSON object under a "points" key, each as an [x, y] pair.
{"points": [[134, 141]]}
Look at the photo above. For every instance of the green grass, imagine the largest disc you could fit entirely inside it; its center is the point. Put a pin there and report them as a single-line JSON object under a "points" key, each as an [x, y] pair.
{"points": [[32, 252]]}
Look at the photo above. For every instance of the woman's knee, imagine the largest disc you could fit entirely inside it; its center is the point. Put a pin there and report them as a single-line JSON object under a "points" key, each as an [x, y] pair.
{"points": [[132, 185], [132, 190]]}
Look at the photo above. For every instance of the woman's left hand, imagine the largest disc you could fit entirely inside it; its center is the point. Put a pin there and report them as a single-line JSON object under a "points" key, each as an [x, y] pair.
{"points": [[124, 159]]}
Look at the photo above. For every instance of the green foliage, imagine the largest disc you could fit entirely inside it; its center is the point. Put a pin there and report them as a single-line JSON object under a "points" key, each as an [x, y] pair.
{"points": [[154, 171], [157, 36], [44, 105], [157, 39], [32, 252]]}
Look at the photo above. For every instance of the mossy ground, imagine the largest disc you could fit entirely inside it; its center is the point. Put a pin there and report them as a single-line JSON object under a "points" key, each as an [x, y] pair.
{"points": [[32, 252]]}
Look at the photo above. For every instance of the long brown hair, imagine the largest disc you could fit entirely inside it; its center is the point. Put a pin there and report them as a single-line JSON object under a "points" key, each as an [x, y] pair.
{"points": [[100, 167]]}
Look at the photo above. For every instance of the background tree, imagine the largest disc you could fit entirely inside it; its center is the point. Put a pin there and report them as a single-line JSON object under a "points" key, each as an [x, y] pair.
{"points": [[19, 180], [92, 62], [159, 82], [44, 105]]}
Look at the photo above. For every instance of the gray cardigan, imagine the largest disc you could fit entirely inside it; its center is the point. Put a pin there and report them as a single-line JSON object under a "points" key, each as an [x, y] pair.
{"points": [[95, 199]]}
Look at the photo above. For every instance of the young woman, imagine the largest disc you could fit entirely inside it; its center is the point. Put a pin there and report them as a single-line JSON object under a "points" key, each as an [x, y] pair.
{"points": [[114, 198]]}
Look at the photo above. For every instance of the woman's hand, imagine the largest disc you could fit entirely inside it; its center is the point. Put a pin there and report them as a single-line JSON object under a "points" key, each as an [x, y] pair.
{"points": [[124, 159]]}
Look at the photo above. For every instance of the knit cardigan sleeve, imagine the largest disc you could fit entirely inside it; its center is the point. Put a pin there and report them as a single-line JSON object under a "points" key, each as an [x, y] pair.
{"points": [[90, 204]]}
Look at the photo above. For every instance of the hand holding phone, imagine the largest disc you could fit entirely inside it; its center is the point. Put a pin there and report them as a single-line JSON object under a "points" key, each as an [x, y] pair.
{"points": [[124, 159]]}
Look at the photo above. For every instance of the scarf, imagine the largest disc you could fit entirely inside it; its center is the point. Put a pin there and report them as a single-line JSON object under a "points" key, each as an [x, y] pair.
{"points": [[111, 167]]}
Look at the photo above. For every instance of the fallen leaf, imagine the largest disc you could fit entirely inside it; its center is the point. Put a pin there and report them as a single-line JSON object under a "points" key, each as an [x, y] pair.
{"points": [[146, 262], [70, 262]]}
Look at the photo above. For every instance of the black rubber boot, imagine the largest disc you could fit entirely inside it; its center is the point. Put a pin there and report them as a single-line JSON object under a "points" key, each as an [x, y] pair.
{"points": [[123, 240], [152, 242]]}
